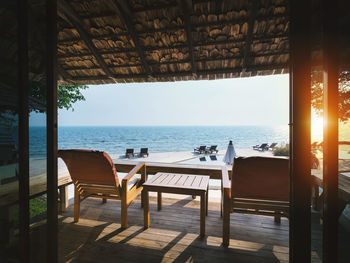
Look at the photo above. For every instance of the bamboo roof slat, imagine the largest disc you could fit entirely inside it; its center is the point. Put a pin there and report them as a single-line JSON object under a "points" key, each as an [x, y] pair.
{"points": [[108, 41]]}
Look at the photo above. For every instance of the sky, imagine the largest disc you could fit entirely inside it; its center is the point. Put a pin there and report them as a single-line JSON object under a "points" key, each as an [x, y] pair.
{"points": [[262, 100]]}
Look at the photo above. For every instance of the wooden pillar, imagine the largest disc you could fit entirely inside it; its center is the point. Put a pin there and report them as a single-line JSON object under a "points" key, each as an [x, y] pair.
{"points": [[23, 129], [51, 126], [300, 132], [330, 132]]}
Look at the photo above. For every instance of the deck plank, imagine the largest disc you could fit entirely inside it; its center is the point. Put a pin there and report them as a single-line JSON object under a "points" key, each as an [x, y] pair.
{"points": [[173, 235]]}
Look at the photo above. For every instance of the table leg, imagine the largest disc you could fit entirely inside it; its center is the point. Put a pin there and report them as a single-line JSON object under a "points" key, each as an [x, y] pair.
{"points": [[63, 198], [159, 199], [202, 215], [145, 209], [206, 201]]}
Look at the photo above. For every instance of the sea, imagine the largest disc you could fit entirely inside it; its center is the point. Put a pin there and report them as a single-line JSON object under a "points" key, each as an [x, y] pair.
{"points": [[115, 139]]}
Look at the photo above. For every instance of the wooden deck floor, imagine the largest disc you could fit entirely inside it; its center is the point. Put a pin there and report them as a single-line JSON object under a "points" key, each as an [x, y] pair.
{"points": [[173, 236]]}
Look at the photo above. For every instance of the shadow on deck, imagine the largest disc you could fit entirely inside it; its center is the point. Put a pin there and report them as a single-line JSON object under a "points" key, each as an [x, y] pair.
{"points": [[173, 235]]}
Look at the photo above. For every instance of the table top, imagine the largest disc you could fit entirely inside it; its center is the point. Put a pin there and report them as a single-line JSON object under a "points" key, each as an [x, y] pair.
{"points": [[179, 181]]}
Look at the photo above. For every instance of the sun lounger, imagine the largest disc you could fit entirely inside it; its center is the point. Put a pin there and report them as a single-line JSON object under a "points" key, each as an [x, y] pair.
{"points": [[273, 145], [129, 153], [201, 149], [262, 147], [143, 152], [212, 149]]}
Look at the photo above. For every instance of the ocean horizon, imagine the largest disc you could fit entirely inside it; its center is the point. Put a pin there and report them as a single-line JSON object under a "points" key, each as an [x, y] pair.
{"points": [[115, 139]]}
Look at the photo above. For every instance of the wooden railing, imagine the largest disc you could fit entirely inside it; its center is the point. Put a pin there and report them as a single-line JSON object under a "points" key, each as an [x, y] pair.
{"points": [[9, 192], [214, 171]]}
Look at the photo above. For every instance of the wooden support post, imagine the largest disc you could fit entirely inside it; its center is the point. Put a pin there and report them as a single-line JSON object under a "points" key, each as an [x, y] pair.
{"points": [[277, 217], [159, 200], [206, 200], [226, 220], [76, 204], [330, 132], [63, 198], [202, 215], [146, 219], [124, 204], [300, 132]]}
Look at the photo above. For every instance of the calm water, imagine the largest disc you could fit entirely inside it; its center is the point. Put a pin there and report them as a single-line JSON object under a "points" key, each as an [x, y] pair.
{"points": [[115, 140]]}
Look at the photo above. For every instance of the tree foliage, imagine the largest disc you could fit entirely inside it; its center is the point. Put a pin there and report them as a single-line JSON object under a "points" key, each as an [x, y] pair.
{"points": [[344, 94], [67, 95]]}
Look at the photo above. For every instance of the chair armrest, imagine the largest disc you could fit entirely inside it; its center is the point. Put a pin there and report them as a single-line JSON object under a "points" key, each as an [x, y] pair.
{"points": [[137, 168], [226, 186]]}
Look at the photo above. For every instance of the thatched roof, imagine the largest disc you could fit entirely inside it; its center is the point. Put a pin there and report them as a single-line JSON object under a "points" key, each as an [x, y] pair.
{"points": [[108, 41]]}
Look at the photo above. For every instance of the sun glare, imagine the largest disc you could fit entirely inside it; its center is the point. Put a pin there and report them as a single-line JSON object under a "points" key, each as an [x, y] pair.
{"points": [[316, 127]]}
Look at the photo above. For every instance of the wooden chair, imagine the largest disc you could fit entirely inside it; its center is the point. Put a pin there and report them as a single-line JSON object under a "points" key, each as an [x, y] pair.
{"points": [[94, 175], [259, 185]]}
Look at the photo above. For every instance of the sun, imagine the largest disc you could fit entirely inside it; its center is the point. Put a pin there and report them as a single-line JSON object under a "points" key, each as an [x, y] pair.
{"points": [[316, 127]]}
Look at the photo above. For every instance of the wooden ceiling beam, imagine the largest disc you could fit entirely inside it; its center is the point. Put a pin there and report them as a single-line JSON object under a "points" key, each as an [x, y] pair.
{"points": [[67, 13], [274, 53], [199, 44], [122, 8], [187, 73], [248, 41], [185, 8]]}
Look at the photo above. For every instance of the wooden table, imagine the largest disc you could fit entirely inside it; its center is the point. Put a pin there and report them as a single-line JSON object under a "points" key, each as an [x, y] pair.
{"points": [[187, 184]]}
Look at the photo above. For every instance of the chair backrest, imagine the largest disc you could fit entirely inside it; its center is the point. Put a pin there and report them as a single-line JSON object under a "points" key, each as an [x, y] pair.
{"points": [[144, 150], [265, 178], [129, 150], [203, 147], [273, 145], [90, 167], [213, 147], [263, 146]]}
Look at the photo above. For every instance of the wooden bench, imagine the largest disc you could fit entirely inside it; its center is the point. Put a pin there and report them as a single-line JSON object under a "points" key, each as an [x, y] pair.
{"points": [[343, 190]]}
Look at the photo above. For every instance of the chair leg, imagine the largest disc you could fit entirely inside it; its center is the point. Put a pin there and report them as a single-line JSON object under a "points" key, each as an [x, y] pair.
{"points": [[226, 224], [104, 200], [277, 218], [124, 214], [76, 205], [142, 200]]}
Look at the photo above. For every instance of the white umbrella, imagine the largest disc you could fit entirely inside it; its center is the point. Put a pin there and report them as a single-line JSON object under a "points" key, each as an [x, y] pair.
{"points": [[230, 154]]}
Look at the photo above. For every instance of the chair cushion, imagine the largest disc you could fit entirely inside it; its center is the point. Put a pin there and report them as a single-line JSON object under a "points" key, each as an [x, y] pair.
{"points": [[133, 181]]}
